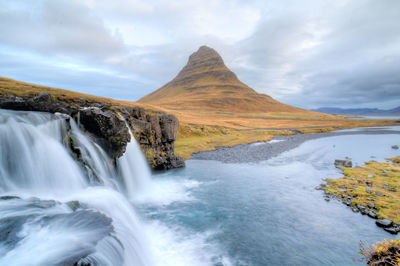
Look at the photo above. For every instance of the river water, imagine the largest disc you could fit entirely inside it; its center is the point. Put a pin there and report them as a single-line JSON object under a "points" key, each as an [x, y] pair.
{"points": [[57, 210], [267, 213]]}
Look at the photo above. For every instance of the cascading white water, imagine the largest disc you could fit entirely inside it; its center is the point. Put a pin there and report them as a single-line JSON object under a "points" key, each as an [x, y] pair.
{"points": [[33, 158], [57, 210], [140, 170]]}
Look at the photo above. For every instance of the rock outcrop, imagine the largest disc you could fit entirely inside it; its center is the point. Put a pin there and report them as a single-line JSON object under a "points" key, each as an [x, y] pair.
{"points": [[107, 125], [156, 134]]}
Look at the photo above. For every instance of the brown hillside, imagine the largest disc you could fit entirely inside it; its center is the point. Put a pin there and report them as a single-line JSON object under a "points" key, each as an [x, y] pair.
{"points": [[202, 130], [205, 83], [19, 88]]}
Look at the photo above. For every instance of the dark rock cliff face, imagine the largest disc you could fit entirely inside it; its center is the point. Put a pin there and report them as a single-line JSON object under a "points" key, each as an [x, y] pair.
{"points": [[110, 130], [155, 131], [156, 134]]}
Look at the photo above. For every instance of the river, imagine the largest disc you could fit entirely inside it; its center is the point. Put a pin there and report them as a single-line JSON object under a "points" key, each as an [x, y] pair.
{"points": [[58, 207], [269, 212]]}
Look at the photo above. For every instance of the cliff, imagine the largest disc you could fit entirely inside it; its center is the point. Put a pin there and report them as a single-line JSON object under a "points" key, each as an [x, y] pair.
{"points": [[107, 125]]}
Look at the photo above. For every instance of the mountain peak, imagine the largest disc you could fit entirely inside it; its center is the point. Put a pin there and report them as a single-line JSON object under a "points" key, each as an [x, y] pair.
{"points": [[205, 52], [205, 58], [205, 83]]}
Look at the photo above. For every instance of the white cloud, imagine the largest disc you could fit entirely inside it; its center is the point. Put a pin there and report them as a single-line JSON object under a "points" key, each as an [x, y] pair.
{"points": [[306, 53]]}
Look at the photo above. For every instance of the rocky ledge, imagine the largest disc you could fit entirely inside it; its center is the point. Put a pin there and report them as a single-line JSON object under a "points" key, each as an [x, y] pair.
{"points": [[155, 131]]}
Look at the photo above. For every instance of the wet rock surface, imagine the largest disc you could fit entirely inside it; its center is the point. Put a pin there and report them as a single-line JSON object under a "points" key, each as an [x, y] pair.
{"points": [[388, 226], [343, 163], [384, 223], [109, 127], [155, 131]]}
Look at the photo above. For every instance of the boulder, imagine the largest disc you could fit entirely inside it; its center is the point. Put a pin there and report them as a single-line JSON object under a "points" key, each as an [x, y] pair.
{"points": [[371, 214], [385, 223], [9, 197], [74, 204], [392, 230], [343, 163], [165, 163], [42, 97]]}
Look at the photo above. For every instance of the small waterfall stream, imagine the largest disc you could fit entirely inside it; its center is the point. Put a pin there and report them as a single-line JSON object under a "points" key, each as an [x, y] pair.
{"points": [[140, 170], [57, 210]]}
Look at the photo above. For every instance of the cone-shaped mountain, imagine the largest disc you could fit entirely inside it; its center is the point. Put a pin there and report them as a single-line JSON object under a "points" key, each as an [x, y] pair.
{"points": [[205, 83]]}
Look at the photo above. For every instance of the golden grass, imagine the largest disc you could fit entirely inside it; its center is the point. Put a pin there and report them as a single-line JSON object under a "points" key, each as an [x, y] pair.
{"points": [[386, 252], [235, 124], [196, 138], [19, 88], [269, 120], [220, 129], [316, 130], [376, 184]]}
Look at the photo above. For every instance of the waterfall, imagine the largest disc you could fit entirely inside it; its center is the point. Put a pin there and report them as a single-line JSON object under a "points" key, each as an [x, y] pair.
{"points": [[32, 157], [140, 170], [60, 207]]}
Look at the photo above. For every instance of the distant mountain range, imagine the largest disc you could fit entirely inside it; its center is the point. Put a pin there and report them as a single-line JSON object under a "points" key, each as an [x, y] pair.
{"points": [[359, 111]]}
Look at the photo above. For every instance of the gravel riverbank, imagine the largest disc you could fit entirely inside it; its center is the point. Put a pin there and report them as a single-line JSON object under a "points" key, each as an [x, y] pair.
{"points": [[263, 151]]}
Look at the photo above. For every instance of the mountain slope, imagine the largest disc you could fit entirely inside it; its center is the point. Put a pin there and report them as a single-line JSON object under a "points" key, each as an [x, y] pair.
{"points": [[205, 83]]}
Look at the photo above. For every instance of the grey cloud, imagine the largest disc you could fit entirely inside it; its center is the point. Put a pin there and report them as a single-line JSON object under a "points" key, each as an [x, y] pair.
{"points": [[96, 82], [353, 62], [359, 62], [309, 53], [60, 28]]}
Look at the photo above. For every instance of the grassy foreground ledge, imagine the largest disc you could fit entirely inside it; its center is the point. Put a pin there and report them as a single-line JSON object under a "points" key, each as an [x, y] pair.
{"points": [[386, 252], [373, 189]]}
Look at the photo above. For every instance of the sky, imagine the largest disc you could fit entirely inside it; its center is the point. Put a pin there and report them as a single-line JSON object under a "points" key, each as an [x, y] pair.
{"points": [[309, 53]]}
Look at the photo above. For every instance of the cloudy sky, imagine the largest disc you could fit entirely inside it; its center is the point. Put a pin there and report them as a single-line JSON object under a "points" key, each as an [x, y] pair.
{"points": [[308, 53]]}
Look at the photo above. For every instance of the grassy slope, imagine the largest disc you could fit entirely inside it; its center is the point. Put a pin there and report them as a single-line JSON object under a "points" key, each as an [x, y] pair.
{"points": [[202, 130], [19, 88]]}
